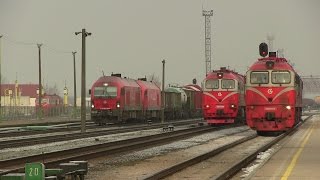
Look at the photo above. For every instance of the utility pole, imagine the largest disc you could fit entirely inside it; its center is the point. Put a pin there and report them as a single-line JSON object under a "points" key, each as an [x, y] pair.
{"points": [[162, 94], [207, 39], [74, 84], [40, 85], [0, 80], [83, 80]]}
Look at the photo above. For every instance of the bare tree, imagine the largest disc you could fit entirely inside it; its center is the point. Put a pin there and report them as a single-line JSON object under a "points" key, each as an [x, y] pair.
{"points": [[52, 89], [4, 80]]}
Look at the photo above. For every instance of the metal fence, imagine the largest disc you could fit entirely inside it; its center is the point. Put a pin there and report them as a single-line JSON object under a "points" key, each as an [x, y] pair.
{"points": [[29, 112]]}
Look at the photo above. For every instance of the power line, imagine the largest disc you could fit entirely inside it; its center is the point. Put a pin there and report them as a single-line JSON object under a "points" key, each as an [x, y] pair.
{"points": [[53, 50], [24, 43], [19, 42]]}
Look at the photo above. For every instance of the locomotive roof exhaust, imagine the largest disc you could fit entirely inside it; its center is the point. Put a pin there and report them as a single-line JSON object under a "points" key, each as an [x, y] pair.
{"points": [[117, 74], [142, 79]]}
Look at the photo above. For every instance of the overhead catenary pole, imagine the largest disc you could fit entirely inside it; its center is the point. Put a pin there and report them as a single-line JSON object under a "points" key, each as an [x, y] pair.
{"points": [[74, 84], [162, 94], [40, 85], [83, 80], [0, 81], [207, 39]]}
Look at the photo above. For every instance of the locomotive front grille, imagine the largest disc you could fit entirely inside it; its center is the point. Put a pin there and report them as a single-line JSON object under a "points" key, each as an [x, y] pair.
{"points": [[219, 112], [270, 116]]}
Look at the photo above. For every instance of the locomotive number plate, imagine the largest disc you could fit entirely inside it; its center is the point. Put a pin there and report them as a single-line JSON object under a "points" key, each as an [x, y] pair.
{"points": [[270, 108], [219, 106]]}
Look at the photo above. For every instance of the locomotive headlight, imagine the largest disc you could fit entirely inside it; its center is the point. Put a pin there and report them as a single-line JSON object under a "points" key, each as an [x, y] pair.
{"points": [[232, 106], [288, 107], [118, 104], [207, 106], [92, 105]]}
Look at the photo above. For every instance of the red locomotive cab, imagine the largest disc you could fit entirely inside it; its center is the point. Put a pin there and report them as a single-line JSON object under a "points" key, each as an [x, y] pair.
{"points": [[114, 99], [105, 99], [273, 95], [223, 97]]}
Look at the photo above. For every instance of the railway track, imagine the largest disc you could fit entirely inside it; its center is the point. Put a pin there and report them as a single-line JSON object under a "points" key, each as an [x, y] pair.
{"points": [[223, 162], [67, 127], [78, 135], [42, 129], [89, 152]]}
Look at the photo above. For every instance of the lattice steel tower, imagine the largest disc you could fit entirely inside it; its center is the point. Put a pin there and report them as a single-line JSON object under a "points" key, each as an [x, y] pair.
{"points": [[207, 39]]}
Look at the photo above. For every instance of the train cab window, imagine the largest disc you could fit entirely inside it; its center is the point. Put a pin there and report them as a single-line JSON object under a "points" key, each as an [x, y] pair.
{"points": [[227, 84], [105, 91], [259, 77], [280, 77], [212, 84]]}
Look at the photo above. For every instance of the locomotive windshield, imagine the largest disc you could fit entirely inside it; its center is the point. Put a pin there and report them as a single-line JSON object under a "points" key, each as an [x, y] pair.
{"points": [[259, 77], [280, 77], [227, 84], [212, 84], [105, 91]]}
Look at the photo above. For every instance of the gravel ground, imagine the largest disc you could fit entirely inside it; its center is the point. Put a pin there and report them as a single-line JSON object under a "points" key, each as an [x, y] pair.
{"points": [[142, 163], [51, 147]]}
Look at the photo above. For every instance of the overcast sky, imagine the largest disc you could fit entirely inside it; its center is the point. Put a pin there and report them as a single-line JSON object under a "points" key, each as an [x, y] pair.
{"points": [[132, 37]]}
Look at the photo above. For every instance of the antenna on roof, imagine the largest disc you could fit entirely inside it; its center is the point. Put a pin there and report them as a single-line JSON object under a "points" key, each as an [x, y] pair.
{"points": [[102, 73]]}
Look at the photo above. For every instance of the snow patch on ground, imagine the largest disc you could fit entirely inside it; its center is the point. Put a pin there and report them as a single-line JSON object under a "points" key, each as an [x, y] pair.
{"points": [[261, 158]]}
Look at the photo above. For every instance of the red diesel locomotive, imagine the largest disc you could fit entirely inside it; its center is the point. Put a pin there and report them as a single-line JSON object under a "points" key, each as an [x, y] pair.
{"points": [[115, 99], [273, 94], [223, 97], [52, 104]]}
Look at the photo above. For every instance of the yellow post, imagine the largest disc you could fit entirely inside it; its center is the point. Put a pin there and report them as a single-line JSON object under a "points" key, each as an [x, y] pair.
{"points": [[65, 99], [16, 93]]}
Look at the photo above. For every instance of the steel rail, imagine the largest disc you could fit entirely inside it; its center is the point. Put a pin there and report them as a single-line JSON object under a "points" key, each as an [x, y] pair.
{"points": [[78, 135], [89, 152], [251, 157]]}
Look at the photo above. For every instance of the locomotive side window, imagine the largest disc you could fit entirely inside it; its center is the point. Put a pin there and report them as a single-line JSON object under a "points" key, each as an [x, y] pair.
{"points": [[259, 77], [280, 77], [227, 84], [109, 92], [212, 84]]}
